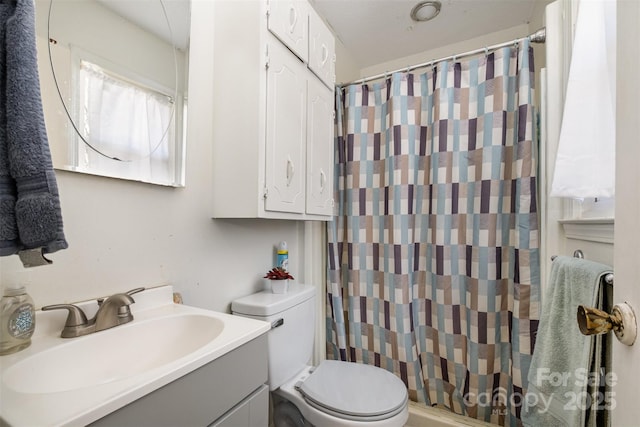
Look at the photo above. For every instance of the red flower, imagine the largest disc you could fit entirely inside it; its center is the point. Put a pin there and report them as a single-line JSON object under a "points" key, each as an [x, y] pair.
{"points": [[278, 273]]}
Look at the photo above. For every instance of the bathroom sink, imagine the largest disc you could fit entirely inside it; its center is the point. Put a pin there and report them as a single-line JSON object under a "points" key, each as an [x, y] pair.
{"points": [[113, 354], [76, 381]]}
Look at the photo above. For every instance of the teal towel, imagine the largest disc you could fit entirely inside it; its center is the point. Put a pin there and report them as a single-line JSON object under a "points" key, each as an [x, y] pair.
{"points": [[563, 357], [30, 214]]}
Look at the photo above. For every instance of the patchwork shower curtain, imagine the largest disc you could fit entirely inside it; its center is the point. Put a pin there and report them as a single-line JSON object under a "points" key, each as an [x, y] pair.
{"points": [[433, 259]]}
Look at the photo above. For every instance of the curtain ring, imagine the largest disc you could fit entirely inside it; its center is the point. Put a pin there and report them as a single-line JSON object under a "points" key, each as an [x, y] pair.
{"points": [[486, 51]]}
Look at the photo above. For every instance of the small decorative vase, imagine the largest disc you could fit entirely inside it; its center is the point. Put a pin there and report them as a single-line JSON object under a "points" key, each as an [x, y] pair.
{"points": [[279, 286]]}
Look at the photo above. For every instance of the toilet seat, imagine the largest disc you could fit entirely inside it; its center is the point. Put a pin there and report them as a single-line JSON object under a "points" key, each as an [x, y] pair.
{"points": [[364, 392]]}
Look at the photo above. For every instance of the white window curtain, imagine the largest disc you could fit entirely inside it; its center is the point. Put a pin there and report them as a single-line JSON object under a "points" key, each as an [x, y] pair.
{"points": [[129, 124], [585, 163]]}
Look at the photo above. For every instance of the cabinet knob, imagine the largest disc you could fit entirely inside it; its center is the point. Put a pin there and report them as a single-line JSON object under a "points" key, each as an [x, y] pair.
{"points": [[323, 180], [293, 19], [291, 170], [324, 55]]}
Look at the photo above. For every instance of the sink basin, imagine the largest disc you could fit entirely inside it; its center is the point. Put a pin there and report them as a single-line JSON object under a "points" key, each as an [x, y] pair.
{"points": [[69, 382], [113, 354]]}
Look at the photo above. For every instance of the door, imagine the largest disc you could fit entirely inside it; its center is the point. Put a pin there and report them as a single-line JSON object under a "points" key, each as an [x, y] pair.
{"points": [[321, 50], [626, 288], [626, 258], [289, 21], [285, 131], [319, 148]]}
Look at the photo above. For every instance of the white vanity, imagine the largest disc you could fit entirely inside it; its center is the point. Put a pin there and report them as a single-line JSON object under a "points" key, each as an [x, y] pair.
{"points": [[172, 365]]}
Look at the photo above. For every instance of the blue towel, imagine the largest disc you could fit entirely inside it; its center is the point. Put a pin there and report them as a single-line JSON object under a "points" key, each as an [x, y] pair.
{"points": [[30, 214], [563, 357]]}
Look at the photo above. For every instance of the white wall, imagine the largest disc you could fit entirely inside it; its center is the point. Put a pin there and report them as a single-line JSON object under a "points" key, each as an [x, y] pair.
{"points": [[452, 49], [125, 234], [346, 68]]}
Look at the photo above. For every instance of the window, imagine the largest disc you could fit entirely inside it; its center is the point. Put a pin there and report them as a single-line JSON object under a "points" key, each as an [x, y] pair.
{"points": [[126, 128], [601, 207]]}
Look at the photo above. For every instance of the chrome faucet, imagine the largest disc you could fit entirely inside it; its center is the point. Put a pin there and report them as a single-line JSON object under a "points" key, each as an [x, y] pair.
{"points": [[112, 311]]}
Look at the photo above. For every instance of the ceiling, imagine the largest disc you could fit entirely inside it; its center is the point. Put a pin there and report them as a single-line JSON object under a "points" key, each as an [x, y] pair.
{"points": [[376, 31]]}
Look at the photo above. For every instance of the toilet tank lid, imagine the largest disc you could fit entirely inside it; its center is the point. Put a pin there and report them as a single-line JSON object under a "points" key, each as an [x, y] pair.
{"points": [[266, 303]]}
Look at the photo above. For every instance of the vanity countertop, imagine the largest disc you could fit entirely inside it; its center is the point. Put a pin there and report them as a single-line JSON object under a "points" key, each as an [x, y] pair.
{"points": [[62, 392]]}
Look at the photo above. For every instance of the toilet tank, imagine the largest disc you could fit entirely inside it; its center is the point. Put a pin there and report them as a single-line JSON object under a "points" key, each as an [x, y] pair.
{"points": [[292, 318]]}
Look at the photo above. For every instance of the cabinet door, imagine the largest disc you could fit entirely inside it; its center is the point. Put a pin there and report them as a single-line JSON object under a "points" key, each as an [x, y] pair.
{"points": [[288, 20], [321, 49], [285, 131], [320, 148], [252, 411]]}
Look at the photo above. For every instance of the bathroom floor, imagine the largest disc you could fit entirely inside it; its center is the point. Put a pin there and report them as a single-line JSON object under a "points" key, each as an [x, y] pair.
{"points": [[421, 416]]}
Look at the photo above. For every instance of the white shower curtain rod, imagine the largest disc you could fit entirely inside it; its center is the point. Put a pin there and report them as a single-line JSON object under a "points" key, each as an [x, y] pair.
{"points": [[537, 37]]}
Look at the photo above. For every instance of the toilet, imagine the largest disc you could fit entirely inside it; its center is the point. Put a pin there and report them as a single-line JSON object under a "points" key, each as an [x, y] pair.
{"points": [[334, 393]]}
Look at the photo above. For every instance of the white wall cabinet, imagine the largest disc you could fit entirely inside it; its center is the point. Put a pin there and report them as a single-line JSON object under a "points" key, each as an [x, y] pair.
{"points": [[273, 118], [288, 21]]}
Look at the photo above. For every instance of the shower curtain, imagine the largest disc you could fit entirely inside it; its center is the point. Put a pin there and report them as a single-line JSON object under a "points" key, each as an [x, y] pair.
{"points": [[433, 258]]}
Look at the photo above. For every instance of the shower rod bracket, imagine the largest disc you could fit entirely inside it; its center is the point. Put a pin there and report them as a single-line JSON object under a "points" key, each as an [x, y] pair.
{"points": [[539, 36]]}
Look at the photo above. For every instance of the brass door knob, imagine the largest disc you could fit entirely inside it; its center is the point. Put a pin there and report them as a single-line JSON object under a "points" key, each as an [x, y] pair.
{"points": [[622, 321]]}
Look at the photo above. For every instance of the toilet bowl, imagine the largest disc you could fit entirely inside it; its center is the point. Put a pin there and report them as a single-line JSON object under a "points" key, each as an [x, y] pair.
{"points": [[346, 394], [335, 393]]}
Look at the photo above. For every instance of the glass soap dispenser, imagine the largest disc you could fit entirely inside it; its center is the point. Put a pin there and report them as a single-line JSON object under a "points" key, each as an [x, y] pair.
{"points": [[17, 320]]}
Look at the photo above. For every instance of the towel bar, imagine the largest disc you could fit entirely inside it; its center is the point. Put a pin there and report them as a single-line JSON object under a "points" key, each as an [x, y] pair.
{"points": [[576, 254], [622, 320], [579, 254]]}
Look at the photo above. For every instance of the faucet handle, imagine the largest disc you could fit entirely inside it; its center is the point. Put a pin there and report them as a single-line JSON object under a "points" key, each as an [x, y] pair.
{"points": [[131, 292], [115, 310], [134, 291], [75, 319], [76, 316]]}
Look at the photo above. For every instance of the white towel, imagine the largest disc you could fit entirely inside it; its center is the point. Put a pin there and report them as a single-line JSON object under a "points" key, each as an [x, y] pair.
{"points": [[585, 163]]}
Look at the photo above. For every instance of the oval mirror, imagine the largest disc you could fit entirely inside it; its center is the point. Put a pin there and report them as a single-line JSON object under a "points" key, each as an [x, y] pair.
{"points": [[119, 73]]}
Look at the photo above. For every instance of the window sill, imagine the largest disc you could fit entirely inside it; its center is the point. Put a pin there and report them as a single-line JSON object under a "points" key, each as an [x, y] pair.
{"points": [[591, 229]]}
